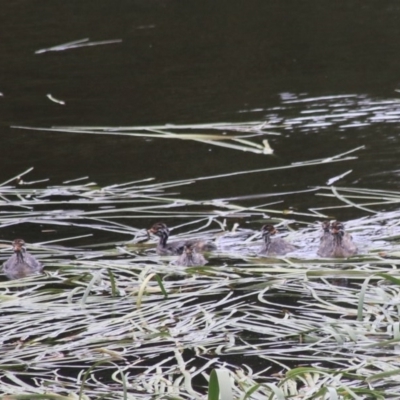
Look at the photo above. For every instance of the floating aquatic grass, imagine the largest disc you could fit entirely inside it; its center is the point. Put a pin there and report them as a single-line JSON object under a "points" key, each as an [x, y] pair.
{"points": [[75, 44], [165, 132], [97, 324], [251, 129]]}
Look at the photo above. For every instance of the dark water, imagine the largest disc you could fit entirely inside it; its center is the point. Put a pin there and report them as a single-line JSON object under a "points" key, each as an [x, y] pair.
{"points": [[323, 73], [327, 70]]}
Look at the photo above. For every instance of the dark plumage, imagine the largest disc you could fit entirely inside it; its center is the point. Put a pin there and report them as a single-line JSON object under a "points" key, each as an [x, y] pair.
{"points": [[335, 242], [21, 263], [276, 246], [170, 248]]}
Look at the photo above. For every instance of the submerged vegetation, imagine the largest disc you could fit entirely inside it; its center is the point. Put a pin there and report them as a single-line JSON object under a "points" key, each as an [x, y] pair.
{"points": [[113, 320]]}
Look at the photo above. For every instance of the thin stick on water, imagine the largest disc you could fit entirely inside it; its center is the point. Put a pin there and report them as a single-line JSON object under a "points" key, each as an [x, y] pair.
{"points": [[75, 44], [16, 177]]}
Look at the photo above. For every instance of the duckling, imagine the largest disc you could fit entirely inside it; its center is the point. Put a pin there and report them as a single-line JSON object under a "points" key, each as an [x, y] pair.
{"points": [[275, 247], [21, 263], [163, 248], [190, 258], [335, 242], [326, 243]]}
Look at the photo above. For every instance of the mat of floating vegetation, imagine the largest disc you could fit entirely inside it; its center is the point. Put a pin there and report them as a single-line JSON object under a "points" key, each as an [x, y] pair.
{"points": [[111, 319]]}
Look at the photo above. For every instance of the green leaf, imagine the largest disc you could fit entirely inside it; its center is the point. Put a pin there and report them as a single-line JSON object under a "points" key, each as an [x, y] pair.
{"points": [[219, 387]]}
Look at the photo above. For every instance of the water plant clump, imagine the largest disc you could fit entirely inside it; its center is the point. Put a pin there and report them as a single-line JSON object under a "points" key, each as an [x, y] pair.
{"points": [[113, 319]]}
